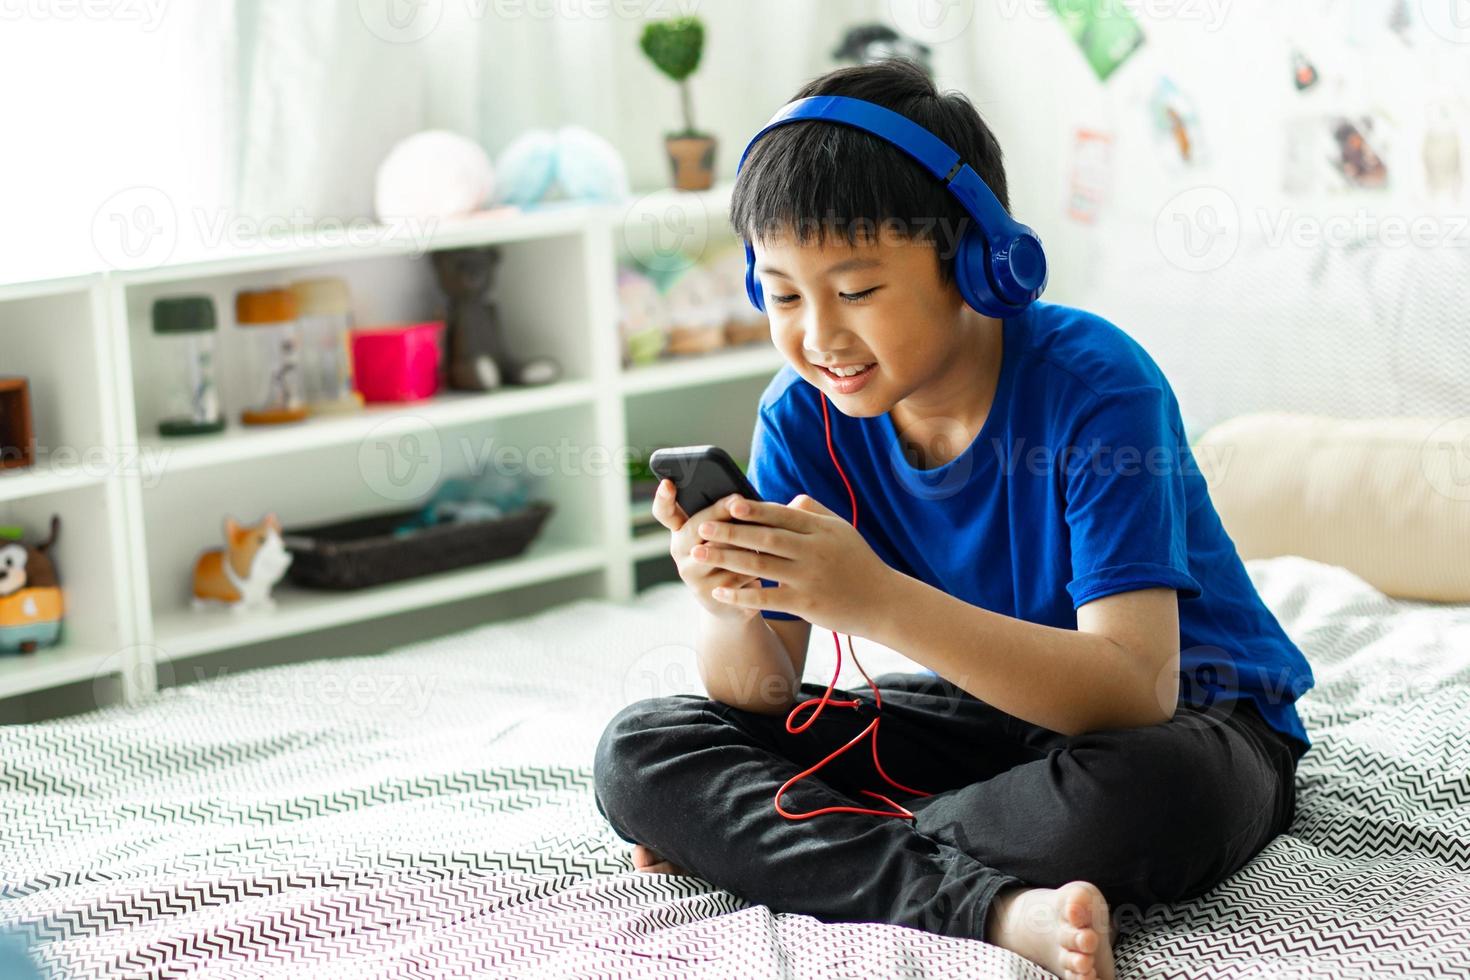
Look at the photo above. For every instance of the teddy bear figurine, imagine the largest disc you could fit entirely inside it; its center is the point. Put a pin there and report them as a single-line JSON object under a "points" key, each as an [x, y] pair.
{"points": [[476, 355]]}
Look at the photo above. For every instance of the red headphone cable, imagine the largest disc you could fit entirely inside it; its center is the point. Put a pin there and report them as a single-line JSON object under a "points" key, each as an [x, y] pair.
{"points": [[825, 700]]}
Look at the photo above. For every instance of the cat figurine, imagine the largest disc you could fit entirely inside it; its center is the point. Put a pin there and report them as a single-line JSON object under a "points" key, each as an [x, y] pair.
{"points": [[476, 355], [241, 574]]}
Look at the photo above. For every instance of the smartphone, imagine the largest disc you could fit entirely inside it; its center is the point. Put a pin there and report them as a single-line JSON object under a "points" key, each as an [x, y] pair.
{"points": [[702, 475]]}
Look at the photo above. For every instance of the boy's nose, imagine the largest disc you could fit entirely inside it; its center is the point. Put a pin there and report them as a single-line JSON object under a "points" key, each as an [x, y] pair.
{"points": [[821, 331]]}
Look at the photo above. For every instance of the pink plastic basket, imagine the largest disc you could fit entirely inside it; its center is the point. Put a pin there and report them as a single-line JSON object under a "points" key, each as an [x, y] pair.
{"points": [[398, 363]]}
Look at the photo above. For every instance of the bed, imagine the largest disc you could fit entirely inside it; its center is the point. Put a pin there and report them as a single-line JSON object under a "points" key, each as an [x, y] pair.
{"points": [[428, 812]]}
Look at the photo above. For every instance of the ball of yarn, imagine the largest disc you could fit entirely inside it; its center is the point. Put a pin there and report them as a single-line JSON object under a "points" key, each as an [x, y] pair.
{"points": [[433, 174], [527, 167], [588, 167]]}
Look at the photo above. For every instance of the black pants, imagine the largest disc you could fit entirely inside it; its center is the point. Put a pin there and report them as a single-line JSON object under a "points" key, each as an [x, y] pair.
{"points": [[1152, 814]]}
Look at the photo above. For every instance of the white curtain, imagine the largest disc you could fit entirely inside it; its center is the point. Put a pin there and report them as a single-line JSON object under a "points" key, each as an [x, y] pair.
{"points": [[194, 126], [327, 94]]}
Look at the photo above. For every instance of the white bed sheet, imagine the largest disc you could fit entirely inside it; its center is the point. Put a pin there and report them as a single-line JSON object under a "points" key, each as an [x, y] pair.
{"points": [[428, 812]]}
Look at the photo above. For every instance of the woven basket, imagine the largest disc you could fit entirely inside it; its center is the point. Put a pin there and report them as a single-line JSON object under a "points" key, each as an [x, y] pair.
{"points": [[364, 551]]}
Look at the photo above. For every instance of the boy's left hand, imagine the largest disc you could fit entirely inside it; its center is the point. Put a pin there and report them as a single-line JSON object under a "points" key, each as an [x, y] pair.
{"points": [[826, 573]]}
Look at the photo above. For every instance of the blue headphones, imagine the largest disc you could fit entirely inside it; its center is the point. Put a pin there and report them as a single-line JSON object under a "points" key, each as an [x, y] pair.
{"points": [[1000, 268]]}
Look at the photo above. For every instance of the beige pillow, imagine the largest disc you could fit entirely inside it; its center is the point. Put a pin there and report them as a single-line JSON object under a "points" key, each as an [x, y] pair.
{"points": [[1387, 499]]}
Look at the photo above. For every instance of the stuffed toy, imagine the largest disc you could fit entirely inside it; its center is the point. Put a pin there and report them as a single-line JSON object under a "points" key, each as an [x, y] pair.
{"points": [[643, 318], [570, 163], [477, 356], [431, 175], [31, 601]]}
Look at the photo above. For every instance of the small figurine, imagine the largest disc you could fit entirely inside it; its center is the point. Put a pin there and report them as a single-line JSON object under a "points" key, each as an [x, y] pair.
{"points": [[864, 44], [241, 574], [30, 595], [643, 316], [476, 354]]}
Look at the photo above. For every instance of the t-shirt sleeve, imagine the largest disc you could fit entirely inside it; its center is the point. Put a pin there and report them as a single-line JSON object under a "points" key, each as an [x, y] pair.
{"points": [[772, 472], [1126, 508]]}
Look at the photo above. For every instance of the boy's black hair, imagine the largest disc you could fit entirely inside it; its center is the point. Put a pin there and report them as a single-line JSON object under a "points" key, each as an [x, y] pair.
{"points": [[816, 179]]}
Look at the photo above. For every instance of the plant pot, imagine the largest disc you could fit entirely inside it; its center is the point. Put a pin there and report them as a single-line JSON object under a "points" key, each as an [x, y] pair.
{"points": [[692, 160]]}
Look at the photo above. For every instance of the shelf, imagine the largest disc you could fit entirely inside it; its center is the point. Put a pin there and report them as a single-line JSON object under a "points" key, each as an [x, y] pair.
{"points": [[186, 632], [239, 443], [691, 370], [375, 241], [22, 673], [44, 478], [34, 289], [565, 279]]}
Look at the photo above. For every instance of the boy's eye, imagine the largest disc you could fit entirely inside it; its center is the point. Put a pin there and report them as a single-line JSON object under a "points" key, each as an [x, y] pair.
{"points": [[846, 297]]}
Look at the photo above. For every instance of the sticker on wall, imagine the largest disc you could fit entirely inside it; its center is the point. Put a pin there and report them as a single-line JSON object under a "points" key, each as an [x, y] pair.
{"points": [[1092, 166], [1176, 124], [1356, 158], [1401, 20], [1106, 31], [1303, 72], [1335, 152]]}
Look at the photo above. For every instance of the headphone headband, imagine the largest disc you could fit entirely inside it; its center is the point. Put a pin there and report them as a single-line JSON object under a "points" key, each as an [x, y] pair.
{"points": [[1013, 273]]}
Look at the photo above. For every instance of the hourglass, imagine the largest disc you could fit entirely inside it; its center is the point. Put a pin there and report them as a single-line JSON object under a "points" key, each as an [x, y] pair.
{"points": [[186, 372], [275, 361], [325, 311]]}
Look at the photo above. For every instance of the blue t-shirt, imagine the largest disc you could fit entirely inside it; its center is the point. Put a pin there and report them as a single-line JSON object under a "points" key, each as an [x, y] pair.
{"points": [[1079, 485]]}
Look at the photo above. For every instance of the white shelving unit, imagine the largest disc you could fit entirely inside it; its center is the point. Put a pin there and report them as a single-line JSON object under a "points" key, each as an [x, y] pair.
{"points": [[137, 508]]}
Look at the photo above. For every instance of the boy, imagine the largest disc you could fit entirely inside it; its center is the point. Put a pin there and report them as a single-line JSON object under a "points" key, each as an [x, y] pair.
{"points": [[1107, 719]]}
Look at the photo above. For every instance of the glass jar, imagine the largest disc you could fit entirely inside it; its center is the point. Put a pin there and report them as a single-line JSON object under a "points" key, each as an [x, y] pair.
{"points": [[187, 329], [324, 308], [269, 316]]}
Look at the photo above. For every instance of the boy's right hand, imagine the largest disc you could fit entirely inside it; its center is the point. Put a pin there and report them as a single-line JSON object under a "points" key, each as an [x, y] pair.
{"points": [[702, 577]]}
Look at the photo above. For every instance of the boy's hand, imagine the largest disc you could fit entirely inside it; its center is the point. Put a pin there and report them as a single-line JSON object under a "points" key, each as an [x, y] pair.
{"points": [[826, 573], [701, 577]]}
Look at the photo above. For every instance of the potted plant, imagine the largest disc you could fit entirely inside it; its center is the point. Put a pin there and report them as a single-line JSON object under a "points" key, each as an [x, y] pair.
{"points": [[674, 47]]}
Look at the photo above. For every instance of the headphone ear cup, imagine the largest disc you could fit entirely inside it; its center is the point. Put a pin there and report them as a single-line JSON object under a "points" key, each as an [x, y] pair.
{"points": [[970, 263], [753, 289]]}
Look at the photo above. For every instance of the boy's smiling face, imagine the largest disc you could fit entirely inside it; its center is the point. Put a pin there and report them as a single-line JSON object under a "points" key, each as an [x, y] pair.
{"points": [[880, 302]]}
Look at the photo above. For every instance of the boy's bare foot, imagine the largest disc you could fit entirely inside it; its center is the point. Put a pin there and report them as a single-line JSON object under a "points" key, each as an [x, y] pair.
{"points": [[647, 859], [1065, 930]]}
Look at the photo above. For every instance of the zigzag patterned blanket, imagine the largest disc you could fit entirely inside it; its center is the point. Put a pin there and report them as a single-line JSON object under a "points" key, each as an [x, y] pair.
{"points": [[428, 813]]}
